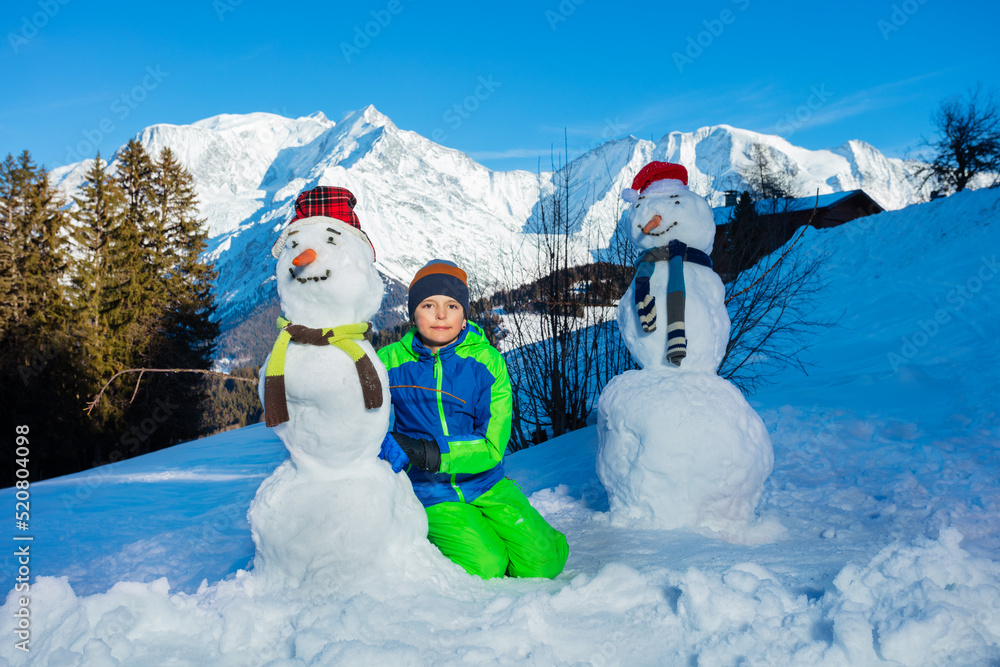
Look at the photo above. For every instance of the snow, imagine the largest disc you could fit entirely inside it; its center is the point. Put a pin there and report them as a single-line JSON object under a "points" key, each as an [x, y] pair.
{"points": [[716, 157], [884, 481]]}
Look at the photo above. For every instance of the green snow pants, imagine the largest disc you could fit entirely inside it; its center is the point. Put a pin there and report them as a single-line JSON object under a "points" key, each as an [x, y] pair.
{"points": [[498, 533]]}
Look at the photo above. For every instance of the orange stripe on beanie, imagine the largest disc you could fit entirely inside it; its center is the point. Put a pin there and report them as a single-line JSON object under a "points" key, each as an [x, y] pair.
{"points": [[439, 277]]}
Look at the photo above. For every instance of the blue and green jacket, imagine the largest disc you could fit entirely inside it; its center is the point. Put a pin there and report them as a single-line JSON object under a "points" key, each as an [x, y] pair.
{"points": [[460, 397]]}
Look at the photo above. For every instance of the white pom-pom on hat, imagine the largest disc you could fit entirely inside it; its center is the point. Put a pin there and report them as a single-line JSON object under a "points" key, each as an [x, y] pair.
{"points": [[630, 195]]}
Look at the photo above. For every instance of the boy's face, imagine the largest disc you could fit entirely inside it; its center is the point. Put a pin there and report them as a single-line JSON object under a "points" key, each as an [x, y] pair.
{"points": [[439, 319]]}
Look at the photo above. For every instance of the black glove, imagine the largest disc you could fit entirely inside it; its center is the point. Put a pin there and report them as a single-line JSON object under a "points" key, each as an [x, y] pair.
{"points": [[425, 454]]}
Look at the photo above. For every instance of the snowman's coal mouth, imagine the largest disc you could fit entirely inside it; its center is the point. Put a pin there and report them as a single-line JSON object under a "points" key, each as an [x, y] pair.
{"points": [[305, 280], [662, 231]]}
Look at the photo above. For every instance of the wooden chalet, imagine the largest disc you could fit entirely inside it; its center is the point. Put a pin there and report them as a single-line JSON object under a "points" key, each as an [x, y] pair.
{"points": [[778, 220]]}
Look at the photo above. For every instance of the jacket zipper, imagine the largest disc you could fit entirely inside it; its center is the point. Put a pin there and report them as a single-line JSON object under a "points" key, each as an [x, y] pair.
{"points": [[439, 377]]}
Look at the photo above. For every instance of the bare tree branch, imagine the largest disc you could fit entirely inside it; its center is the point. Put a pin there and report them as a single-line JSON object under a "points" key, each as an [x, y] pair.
{"points": [[562, 337], [967, 148], [93, 404]]}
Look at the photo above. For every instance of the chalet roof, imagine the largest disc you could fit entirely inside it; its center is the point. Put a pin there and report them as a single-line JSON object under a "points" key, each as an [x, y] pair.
{"points": [[829, 200]]}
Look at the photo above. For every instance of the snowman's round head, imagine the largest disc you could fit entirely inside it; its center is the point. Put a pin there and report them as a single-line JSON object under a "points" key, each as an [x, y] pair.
{"points": [[326, 271], [664, 209]]}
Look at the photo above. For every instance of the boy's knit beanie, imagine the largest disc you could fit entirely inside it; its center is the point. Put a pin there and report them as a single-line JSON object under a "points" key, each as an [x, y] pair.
{"points": [[439, 276]]}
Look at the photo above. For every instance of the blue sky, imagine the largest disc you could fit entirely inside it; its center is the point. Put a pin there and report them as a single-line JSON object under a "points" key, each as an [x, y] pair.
{"points": [[500, 82]]}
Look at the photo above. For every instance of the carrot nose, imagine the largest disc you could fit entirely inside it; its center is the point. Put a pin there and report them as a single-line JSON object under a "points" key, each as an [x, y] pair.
{"points": [[653, 223], [307, 257]]}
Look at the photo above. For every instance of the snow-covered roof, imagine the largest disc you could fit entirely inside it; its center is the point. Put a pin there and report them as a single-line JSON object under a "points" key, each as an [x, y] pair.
{"points": [[722, 213]]}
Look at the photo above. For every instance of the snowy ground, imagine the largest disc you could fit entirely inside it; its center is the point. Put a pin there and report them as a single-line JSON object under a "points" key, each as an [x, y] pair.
{"points": [[886, 458]]}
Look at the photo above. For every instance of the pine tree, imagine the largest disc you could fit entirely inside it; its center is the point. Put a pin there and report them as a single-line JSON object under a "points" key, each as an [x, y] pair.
{"points": [[135, 296], [99, 213], [122, 290], [99, 216], [35, 253], [153, 297], [187, 333], [183, 238], [11, 211], [36, 339]]}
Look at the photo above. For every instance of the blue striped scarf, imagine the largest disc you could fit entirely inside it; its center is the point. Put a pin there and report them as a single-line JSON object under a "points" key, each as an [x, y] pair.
{"points": [[676, 253]]}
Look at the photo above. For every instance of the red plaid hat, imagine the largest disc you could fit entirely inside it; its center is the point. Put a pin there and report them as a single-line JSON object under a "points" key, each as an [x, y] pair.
{"points": [[328, 201], [324, 204]]}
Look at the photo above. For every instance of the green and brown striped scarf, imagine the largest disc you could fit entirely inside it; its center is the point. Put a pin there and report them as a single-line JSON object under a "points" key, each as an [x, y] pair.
{"points": [[275, 404]]}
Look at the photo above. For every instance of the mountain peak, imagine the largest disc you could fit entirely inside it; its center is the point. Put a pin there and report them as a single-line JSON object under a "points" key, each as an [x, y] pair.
{"points": [[233, 121], [368, 115]]}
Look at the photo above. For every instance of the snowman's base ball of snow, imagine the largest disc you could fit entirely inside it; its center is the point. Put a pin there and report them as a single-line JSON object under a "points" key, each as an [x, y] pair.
{"points": [[322, 533], [681, 449]]}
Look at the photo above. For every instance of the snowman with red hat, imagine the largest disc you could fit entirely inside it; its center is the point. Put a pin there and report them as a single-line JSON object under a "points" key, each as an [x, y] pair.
{"points": [[333, 514], [679, 446]]}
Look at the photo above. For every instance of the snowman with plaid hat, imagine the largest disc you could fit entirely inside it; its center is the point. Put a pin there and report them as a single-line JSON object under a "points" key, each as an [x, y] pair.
{"points": [[679, 446], [333, 514]]}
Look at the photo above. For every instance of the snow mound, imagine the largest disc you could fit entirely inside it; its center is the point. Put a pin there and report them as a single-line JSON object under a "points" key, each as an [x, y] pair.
{"points": [[690, 451], [923, 603]]}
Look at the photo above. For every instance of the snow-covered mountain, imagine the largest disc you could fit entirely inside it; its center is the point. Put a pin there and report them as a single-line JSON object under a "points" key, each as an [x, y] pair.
{"points": [[418, 200], [719, 155]]}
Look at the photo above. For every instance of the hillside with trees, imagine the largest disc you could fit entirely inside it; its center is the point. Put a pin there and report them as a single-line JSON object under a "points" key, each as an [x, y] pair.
{"points": [[111, 282]]}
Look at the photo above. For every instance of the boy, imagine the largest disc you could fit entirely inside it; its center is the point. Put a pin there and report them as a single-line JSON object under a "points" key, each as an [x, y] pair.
{"points": [[452, 401]]}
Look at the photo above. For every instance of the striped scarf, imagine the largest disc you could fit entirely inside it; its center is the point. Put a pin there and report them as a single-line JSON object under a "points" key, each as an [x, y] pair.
{"points": [[275, 404], [676, 253]]}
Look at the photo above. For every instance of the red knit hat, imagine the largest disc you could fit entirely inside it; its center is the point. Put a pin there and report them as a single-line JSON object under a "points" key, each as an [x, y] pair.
{"points": [[652, 172], [322, 204], [657, 171]]}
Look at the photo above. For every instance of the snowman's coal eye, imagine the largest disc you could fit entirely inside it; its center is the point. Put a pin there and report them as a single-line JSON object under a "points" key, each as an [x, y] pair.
{"points": [[330, 240], [295, 244]]}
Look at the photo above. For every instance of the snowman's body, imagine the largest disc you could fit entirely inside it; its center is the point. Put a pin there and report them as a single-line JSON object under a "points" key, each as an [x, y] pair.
{"points": [[679, 446], [706, 321], [333, 515]]}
